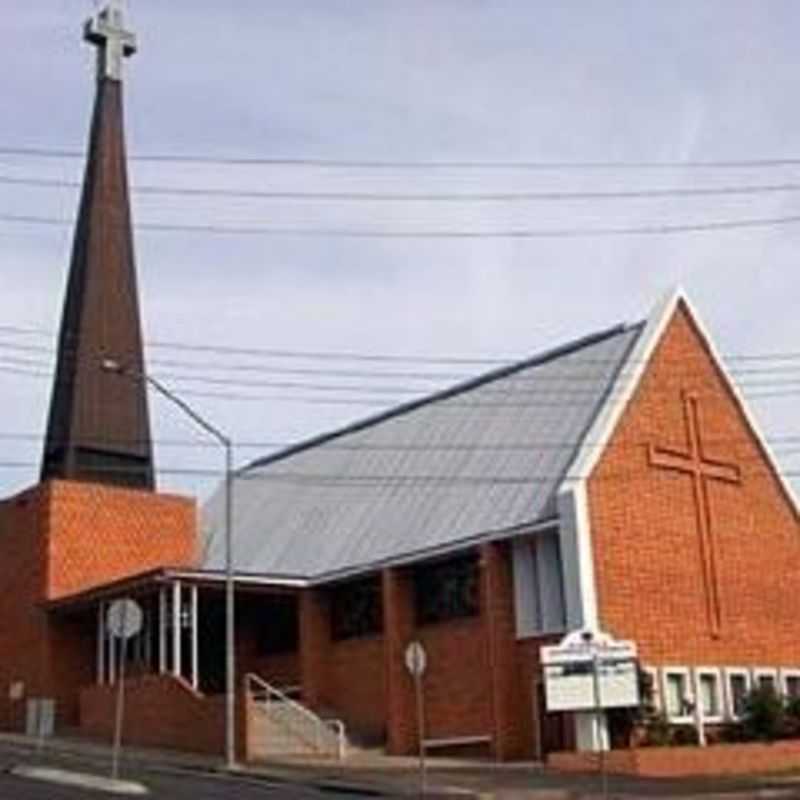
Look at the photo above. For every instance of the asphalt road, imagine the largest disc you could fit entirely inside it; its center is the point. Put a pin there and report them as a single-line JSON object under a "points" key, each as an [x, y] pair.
{"points": [[163, 785]]}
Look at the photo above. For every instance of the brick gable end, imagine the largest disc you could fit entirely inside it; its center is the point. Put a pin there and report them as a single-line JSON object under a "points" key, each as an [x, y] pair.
{"points": [[655, 571]]}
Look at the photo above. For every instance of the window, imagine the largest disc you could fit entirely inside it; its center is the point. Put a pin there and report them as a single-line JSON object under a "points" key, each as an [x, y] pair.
{"points": [[676, 684], [766, 679], [791, 683], [278, 628], [356, 609], [652, 685], [738, 682], [447, 590], [708, 685]]}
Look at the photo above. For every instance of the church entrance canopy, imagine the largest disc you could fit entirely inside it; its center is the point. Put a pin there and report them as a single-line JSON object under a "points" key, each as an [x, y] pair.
{"points": [[183, 628]]}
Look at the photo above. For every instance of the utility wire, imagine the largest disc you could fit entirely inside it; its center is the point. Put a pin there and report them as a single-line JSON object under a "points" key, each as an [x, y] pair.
{"points": [[330, 355], [410, 480], [337, 443], [426, 376], [521, 384], [426, 197], [333, 163], [421, 397], [526, 381], [656, 229]]}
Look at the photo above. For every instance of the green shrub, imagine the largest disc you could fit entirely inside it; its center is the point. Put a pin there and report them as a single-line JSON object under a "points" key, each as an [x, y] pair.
{"points": [[657, 731], [792, 717], [628, 725], [684, 736], [764, 715]]}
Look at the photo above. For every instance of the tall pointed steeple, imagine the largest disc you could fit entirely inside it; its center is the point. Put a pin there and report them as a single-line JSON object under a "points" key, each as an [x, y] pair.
{"points": [[99, 427]]}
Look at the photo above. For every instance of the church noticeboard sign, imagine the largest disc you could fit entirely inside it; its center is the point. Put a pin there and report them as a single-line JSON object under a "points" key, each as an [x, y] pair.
{"points": [[588, 670]]}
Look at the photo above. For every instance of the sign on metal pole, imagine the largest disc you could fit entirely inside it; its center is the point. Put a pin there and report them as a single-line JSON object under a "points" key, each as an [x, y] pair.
{"points": [[416, 663], [416, 659], [588, 670], [124, 620]]}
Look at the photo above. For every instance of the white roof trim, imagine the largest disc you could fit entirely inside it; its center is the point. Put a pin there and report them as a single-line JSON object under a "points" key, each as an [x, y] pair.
{"points": [[744, 408], [213, 576], [599, 435], [628, 381], [573, 501]]}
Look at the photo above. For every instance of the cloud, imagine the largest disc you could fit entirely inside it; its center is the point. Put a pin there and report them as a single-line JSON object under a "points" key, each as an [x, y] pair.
{"points": [[421, 80]]}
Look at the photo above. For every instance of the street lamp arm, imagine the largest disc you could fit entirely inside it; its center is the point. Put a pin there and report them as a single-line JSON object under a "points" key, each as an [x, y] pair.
{"points": [[109, 365]]}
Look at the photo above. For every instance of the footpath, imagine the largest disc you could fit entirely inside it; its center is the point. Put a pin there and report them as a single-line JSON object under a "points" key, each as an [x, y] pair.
{"points": [[372, 774]]}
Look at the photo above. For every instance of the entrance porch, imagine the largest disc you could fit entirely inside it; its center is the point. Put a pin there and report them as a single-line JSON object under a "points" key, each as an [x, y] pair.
{"points": [[174, 668]]}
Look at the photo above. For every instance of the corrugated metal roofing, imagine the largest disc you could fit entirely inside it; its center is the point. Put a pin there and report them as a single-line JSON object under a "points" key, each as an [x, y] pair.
{"points": [[456, 467]]}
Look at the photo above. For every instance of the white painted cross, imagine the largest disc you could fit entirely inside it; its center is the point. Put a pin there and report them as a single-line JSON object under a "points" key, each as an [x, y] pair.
{"points": [[114, 43]]}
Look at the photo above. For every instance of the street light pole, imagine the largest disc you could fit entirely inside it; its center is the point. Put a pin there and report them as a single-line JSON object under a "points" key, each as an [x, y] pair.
{"points": [[110, 365]]}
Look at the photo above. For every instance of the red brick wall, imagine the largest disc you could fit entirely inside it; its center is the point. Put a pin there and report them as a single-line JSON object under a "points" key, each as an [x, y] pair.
{"points": [[457, 683], [398, 631], [73, 649], [644, 526], [511, 700], [160, 711], [356, 685], [537, 733], [97, 534], [58, 538], [342, 678], [673, 762], [24, 641], [478, 681], [281, 670]]}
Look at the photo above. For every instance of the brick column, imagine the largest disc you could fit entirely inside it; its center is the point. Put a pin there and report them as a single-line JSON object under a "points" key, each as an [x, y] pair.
{"points": [[398, 631], [314, 644], [506, 690]]}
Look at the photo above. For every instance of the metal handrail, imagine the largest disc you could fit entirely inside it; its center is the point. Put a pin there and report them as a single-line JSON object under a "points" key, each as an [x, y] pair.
{"points": [[321, 727]]}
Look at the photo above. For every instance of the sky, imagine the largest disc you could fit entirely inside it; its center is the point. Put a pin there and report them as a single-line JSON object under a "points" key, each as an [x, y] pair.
{"points": [[507, 85]]}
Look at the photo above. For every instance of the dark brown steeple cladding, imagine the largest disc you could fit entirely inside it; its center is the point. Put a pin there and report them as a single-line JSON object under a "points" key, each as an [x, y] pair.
{"points": [[99, 429]]}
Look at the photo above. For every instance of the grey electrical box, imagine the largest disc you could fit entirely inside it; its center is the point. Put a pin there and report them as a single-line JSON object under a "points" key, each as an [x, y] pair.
{"points": [[40, 717]]}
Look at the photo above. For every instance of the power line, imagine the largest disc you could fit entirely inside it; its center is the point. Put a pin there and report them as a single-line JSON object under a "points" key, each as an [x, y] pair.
{"points": [[525, 381], [410, 480], [365, 374], [426, 197], [657, 229], [392, 401], [333, 163], [515, 384], [788, 442], [332, 355]]}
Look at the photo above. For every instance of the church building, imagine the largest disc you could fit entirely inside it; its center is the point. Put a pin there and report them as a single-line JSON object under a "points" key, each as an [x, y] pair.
{"points": [[616, 483]]}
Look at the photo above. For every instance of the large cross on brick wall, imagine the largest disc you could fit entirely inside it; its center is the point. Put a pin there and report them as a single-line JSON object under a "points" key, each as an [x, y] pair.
{"points": [[702, 470]]}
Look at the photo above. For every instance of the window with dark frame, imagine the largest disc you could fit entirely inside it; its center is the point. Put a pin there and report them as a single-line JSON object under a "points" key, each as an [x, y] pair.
{"points": [[356, 609], [447, 590], [278, 627]]}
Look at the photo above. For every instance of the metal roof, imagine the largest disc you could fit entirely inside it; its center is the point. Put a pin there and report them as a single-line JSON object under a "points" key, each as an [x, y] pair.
{"points": [[455, 468]]}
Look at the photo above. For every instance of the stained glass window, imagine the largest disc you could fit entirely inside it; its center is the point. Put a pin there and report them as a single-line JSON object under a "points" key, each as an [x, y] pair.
{"points": [[356, 609], [447, 590]]}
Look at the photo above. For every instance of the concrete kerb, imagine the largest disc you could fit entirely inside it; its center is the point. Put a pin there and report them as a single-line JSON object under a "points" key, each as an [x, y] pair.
{"points": [[80, 780]]}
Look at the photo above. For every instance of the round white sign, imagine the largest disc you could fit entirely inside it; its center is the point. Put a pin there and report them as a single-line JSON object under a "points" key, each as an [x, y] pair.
{"points": [[416, 659], [124, 618]]}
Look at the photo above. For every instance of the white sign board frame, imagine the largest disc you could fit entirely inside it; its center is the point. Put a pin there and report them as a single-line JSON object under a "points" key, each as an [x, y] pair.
{"points": [[589, 671]]}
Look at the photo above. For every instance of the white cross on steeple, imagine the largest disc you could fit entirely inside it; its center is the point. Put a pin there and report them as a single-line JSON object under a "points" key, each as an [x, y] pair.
{"points": [[114, 43]]}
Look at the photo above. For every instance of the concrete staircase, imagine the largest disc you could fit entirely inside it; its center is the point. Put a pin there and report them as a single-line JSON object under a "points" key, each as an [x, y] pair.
{"points": [[278, 726]]}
